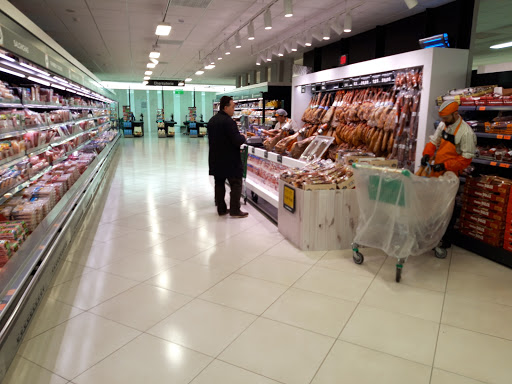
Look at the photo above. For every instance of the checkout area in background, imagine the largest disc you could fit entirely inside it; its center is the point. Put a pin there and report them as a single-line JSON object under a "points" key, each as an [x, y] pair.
{"points": [[131, 128], [194, 128], [164, 128]]}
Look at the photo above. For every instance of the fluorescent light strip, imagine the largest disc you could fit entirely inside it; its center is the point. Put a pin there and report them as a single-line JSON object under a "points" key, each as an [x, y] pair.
{"points": [[18, 67], [60, 80], [12, 72], [7, 57], [35, 69], [503, 45], [58, 86], [35, 79]]}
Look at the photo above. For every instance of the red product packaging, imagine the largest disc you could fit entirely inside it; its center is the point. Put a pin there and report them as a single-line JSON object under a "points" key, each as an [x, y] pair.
{"points": [[490, 183], [498, 207], [488, 232], [481, 220], [496, 242], [499, 216], [487, 195], [508, 246]]}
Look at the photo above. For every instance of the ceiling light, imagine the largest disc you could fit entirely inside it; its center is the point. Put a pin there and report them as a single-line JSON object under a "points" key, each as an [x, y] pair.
{"points": [[35, 69], [145, 82], [269, 55], [199, 72], [163, 29], [337, 26], [154, 54], [294, 46], [188, 79], [148, 73], [12, 72], [503, 45], [288, 8], [280, 51], [267, 18], [39, 81], [154, 61], [411, 3], [147, 77], [250, 31], [181, 84], [347, 25], [287, 46], [309, 39], [227, 50], [327, 32], [60, 80], [258, 60], [209, 66], [58, 86], [219, 54], [11, 59], [151, 65], [212, 60], [237, 40]]}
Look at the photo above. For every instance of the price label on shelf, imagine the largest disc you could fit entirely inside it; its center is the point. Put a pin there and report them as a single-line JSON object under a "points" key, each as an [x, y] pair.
{"points": [[481, 108], [499, 136], [387, 77], [356, 81], [494, 163], [279, 158], [265, 154], [347, 83], [313, 88], [336, 86], [507, 137], [365, 80], [376, 79], [324, 86], [503, 165], [252, 150]]}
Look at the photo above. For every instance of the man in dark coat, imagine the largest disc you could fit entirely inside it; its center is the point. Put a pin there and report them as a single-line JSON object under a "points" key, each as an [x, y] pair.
{"points": [[224, 158]]}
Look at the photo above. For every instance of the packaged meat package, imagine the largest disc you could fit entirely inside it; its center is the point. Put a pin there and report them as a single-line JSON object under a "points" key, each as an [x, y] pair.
{"points": [[496, 242], [496, 197], [488, 213], [488, 232], [490, 183], [498, 207], [486, 222]]}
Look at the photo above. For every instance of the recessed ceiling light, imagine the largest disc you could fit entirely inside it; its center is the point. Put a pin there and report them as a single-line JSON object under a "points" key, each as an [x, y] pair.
{"points": [[503, 45], [181, 84], [163, 29], [154, 54], [199, 72], [209, 66], [148, 73], [147, 77], [151, 65], [188, 79]]}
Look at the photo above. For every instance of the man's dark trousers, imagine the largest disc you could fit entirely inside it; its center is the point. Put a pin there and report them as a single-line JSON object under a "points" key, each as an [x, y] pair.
{"points": [[235, 184]]}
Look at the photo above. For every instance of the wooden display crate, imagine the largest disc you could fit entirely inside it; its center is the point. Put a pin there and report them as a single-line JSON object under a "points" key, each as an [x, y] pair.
{"points": [[317, 220]]}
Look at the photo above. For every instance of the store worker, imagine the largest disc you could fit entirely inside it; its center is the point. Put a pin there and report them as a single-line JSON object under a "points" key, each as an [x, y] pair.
{"points": [[224, 158], [285, 123], [451, 148], [453, 143]]}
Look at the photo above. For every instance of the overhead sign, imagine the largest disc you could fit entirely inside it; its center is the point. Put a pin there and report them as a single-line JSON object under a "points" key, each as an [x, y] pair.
{"points": [[20, 46], [165, 83]]}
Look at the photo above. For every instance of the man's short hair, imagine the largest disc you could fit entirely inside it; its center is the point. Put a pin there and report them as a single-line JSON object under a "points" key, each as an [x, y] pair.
{"points": [[224, 102]]}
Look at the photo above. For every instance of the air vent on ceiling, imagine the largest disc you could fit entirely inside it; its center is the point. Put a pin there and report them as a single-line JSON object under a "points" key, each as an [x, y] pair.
{"points": [[191, 3], [169, 42]]}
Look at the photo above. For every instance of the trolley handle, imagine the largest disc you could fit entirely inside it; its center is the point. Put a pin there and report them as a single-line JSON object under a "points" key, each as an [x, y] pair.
{"points": [[404, 172]]}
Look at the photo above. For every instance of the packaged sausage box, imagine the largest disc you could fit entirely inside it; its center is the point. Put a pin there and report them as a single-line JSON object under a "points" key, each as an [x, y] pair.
{"points": [[484, 203], [486, 231], [488, 213], [496, 197], [494, 241], [481, 220], [490, 183]]}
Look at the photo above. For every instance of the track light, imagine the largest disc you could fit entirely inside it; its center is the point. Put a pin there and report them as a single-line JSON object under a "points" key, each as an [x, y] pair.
{"points": [[219, 54], [288, 8], [199, 72], [326, 35], [148, 73], [154, 61], [280, 51], [145, 82], [212, 60], [150, 65], [269, 55], [147, 77], [188, 79], [227, 50], [155, 54], [309, 39], [181, 84], [237, 40], [267, 18], [347, 25], [163, 29], [250, 31], [287, 46], [258, 60], [294, 47], [411, 3]]}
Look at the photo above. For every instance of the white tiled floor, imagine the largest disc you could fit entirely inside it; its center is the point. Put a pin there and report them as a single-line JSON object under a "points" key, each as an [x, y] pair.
{"points": [[157, 288]]}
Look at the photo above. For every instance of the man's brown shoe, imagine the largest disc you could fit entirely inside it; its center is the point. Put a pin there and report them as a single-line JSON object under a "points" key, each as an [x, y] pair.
{"points": [[239, 215]]}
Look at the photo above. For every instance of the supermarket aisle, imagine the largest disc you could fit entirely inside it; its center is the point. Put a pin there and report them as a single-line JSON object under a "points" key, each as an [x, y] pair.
{"points": [[157, 288]]}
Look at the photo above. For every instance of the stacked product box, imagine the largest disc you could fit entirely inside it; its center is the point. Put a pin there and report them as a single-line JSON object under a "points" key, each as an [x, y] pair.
{"points": [[486, 209]]}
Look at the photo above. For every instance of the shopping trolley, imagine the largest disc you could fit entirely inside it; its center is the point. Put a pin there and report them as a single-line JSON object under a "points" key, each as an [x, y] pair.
{"points": [[401, 213], [244, 153]]}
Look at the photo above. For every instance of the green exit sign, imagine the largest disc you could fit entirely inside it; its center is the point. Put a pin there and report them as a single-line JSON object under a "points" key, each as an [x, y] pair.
{"points": [[179, 92]]}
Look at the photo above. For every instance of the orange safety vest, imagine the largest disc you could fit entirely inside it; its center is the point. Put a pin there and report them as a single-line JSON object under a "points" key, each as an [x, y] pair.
{"points": [[447, 149]]}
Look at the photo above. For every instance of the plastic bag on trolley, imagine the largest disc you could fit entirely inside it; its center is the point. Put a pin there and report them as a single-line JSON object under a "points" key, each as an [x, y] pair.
{"points": [[401, 213]]}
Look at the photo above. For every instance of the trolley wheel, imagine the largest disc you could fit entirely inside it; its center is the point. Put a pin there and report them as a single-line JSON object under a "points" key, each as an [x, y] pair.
{"points": [[358, 257], [254, 197], [440, 253], [245, 200], [398, 274]]}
